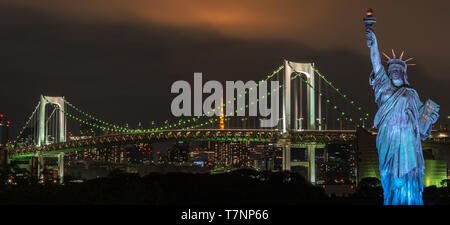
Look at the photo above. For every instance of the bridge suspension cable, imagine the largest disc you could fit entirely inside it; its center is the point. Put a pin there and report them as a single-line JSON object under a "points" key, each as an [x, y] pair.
{"points": [[117, 129], [352, 102], [334, 106], [251, 103], [91, 124], [181, 122], [26, 123], [223, 105], [105, 128], [95, 118]]}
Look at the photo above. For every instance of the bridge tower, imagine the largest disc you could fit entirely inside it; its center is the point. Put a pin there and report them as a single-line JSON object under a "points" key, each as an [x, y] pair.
{"points": [[42, 133], [292, 118], [307, 70], [59, 101]]}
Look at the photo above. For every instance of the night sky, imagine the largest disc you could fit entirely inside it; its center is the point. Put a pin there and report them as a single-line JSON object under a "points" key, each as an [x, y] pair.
{"points": [[117, 59]]}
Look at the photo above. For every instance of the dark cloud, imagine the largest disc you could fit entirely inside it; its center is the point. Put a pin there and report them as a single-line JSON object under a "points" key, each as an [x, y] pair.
{"points": [[122, 70], [417, 26]]}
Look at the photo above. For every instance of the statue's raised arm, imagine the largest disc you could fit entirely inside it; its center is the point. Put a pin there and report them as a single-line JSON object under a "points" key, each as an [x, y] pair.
{"points": [[378, 79], [372, 41], [374, 53]]}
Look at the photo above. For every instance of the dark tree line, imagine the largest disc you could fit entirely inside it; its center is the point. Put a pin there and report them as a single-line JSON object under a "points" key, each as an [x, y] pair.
{"points": [[241, 187]]}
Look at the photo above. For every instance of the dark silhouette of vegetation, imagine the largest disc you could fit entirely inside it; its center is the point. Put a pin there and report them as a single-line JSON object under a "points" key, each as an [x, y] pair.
{"points": [[370, 187], [237, 187], [240, 187]]}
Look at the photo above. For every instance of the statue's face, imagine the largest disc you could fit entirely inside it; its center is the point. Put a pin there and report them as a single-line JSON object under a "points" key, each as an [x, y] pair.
{"points": [[396, 75]]}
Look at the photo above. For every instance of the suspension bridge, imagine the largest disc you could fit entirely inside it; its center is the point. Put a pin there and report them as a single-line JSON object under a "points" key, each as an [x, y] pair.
{"points": [[314, 113]]}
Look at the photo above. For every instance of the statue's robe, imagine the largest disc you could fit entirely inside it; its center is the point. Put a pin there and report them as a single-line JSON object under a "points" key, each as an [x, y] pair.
{"points": [[399, 138]]}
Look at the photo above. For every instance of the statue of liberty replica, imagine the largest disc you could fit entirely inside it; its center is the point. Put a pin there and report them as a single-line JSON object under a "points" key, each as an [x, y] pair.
{"points": [[402, 121]]}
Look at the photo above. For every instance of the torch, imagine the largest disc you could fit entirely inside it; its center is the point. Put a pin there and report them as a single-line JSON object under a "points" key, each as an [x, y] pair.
{"points": [[369, 20]]}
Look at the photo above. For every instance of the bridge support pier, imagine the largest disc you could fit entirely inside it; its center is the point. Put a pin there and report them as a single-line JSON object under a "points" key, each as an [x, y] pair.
{"points": [[40, 166], [285, 143], [61, 167], [310, 164]]}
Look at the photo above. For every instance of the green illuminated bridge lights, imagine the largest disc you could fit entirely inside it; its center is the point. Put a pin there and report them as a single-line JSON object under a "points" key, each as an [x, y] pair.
{"points": [[252, 135]]}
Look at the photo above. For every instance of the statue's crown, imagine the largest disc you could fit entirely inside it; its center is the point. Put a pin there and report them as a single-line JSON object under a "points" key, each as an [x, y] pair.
{"points": [[399, 60]]}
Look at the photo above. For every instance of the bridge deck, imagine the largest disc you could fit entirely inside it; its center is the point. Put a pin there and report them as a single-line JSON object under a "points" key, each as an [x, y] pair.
{"points": [[253, 135]]}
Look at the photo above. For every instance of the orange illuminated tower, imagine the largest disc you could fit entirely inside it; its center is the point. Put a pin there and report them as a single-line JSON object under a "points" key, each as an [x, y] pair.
{"points": [[222, 117]]}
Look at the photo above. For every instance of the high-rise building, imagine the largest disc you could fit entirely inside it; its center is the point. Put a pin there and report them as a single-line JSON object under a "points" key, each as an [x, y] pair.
{"points": [[4, 137], [202, 157], [231, 153], [321, 158], [273, 158], [179, 153], [256, 156], [435, 167], [4, 129], [341, 164], [367, 163]]}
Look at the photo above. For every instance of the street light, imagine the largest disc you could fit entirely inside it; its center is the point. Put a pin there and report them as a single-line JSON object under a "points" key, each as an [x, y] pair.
{"points": [[340, 122]]}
